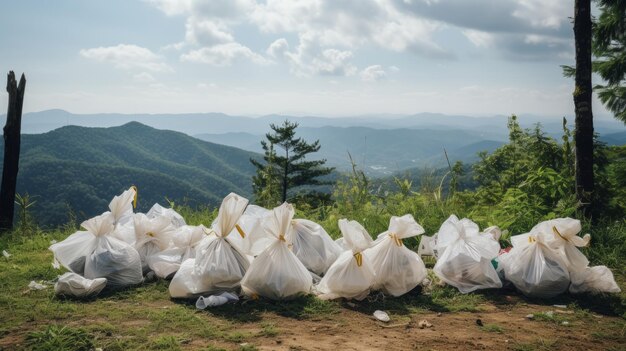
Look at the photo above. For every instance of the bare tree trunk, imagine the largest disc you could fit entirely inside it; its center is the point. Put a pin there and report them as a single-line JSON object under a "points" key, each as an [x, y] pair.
{"points": [[583, 135], [12, 132]]}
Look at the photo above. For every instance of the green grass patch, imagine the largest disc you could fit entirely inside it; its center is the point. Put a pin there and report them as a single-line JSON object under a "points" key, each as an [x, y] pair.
{"points": [[268, 330], [492, 328], [60, 338], [539, 345]]}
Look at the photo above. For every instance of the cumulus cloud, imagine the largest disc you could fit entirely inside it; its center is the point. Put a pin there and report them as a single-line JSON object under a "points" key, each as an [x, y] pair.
{"points": [[171, 7], [127, 56], [223, 10], [329, 33], [278, 48], [206, 33], [309, 59], [373, 73], [223, 55], [504, 24]]}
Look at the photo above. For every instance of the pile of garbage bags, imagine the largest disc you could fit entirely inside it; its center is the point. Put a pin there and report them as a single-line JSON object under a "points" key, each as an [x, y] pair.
{"points": [[256, 252]]}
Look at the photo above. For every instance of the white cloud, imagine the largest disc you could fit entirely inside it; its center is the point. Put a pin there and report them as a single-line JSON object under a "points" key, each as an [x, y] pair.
{"points": [[479, 38], [208, 36], [144, 77], [223, 55], [331, 32], [171, 7], [394, 68], [543, 13], [373, 73], [334, 62], [206, 33], [127, 56], [309, 59], [278, 48]]}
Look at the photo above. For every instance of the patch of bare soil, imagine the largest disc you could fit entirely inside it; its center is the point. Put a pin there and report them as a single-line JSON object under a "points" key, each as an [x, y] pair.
{"points": [[491, 329]]}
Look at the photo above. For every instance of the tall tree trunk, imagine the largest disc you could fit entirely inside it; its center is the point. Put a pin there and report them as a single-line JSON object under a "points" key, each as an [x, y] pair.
{"points": [[12, 131], [583, 135]]}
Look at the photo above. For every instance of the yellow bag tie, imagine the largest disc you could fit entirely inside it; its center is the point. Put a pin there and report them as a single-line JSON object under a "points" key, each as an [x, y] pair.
{"points": [[240, 231], [282, 238], [556, 231], [359, 259], [134, 197], [151, 234], [531, 239], [395, 238]]}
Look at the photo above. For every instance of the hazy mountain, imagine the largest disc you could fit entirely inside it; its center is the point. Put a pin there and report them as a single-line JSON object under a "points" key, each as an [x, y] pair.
{"points": [[614, 138], [382, 151], [81, 169], [491, 128]]}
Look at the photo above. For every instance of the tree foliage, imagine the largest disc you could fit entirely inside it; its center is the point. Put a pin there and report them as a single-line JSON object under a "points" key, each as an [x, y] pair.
{"points": [[609, 48], [287, 171]]}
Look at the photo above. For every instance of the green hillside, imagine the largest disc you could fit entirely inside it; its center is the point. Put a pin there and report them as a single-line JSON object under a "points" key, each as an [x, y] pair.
{"points": [[78, 169]]}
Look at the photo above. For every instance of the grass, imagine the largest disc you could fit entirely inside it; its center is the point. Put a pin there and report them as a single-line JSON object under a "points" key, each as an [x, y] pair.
{"points": [[55, 337], [269, 330], [492, 328], [144, 317], [539, 345]]}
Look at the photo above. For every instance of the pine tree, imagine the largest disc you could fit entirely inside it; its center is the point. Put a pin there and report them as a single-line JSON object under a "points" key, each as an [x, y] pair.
{"points": [[288, 171], [609, 47]]}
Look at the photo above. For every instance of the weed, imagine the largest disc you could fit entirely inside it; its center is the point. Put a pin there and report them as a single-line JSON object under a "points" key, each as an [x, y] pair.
{"points": [[269, 330], [492, 328], [57, 338]]}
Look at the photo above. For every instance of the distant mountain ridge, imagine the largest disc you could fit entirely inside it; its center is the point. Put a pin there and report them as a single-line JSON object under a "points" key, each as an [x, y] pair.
{"points": [[219, 123], [382, 144], [80, 169], [380, 151]]}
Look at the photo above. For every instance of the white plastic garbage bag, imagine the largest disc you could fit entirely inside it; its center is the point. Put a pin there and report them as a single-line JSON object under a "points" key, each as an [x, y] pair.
{"points": [[494, 231], [185, 239], [426, 246], [72, 284], [562, 234], [216, 300], [535, 268], [33, 285], [249, 235], [121, 208], [71, 252], [277, 273], [152, 235], [110, 258], [598, 279], [218, 265], [465, 256], [122, 205], [313, 246], [176, 219], [398, 270], [351, 275]]}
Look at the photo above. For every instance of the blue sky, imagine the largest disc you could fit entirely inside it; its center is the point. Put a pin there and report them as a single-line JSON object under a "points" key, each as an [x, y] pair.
{"points": [[306, 57]]}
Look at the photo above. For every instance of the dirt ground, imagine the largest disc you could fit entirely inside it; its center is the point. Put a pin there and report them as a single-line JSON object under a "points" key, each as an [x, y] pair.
{"points": [[510, 330], [504, 324]]}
